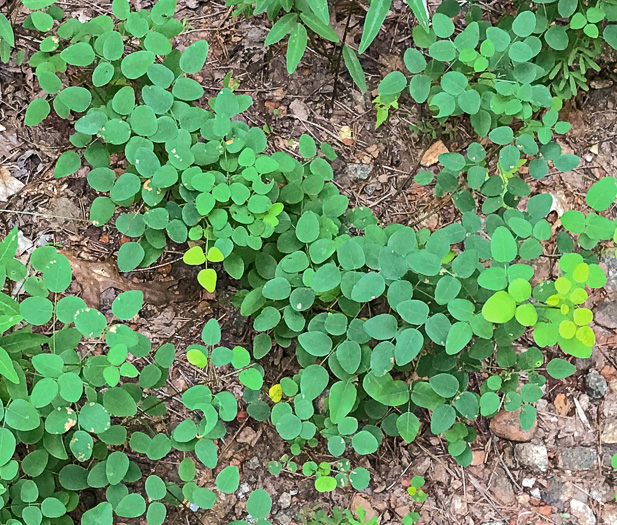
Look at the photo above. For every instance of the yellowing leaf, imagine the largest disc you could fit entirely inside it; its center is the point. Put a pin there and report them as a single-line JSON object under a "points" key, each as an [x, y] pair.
{"points": [[215, 255], [276, 393], [207, 278], [194, 256], [197, 358]]}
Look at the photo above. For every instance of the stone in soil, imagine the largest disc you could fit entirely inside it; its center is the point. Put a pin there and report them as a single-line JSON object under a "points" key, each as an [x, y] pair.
{"points": [[557, 493], [532, 455], [359, 171], [606, 315], [609, 432], [502, 489], [610, 261], [507, 425], [582, 512], [595, 384], [577, 458]]}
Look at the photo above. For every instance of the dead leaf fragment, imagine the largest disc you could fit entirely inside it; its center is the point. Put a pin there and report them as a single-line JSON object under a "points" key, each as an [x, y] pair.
{"points": [[431, 155], [9, 185], [96, 277], [345, 135], [562, 405]]}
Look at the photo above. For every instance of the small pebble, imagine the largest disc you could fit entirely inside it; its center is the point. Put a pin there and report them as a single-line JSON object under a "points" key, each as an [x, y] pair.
{"points": [[595, 384]]}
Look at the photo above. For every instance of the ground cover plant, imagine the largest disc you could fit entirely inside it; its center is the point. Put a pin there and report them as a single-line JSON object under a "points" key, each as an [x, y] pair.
{"points": [[77, 419], [390, 326]]}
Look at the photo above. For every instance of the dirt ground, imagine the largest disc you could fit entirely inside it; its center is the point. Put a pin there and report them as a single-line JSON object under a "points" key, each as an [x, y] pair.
{"points": [[559, 473]]}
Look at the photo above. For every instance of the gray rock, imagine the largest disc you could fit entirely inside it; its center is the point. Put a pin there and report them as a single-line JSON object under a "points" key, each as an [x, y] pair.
{"points": [[606, 315], [532, 455], [577, 458], [285, 517], [253, 463], [596, 385], [502, 488], [282, 518], [285, 500], [370, 189], [610, 261], [582, 512], [359, 171], [557, 493]]}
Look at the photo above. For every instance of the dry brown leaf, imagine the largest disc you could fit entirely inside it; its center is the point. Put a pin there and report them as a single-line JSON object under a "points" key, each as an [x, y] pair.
{"points": [[562, 405], [96, 277], [9, 185], [431, 155]]}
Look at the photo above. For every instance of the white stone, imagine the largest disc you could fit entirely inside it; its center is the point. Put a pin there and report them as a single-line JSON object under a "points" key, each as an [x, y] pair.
{"points": [[582, 512]]}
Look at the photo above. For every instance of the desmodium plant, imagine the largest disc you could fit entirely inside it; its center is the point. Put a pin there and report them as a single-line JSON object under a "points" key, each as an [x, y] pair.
{"points": [[78, 400], [42, 18], [510, 79], [386, 323], [180, 163]]}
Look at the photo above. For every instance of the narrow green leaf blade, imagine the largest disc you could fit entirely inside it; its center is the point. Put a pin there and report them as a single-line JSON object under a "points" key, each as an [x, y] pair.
{"points": [[354, 67], [374, 20]]}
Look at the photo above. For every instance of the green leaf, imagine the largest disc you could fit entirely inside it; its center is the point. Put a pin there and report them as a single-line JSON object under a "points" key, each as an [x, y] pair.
{"points": [[364, 443], [116, 467], [228, 480], [37, 4], [6, 30], [442, 419], [443, 25], [80, 54], [610, 35], [560, 368], [318, 26], [503, 245], [524, 24], [21, 415], [118, 402], [341, 400], [52, 508], [375, 17], [325, 484], [602, 194], [211, 332], [7, 368], [445, 385], [259, 504], [37, 111], [393, 83], [557, 37], [67, 164], [121, 9], [296, 47], [408, 426], [281, 28], [354, 67], [127, 304], [131, 506], [420, 10], [320, 8], [7, 446], [136, 64], [500, 308], [130, 256]]}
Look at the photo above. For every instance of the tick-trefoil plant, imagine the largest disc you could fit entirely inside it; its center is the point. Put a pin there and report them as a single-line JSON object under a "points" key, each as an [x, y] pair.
{"points": [[79, 396]]}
